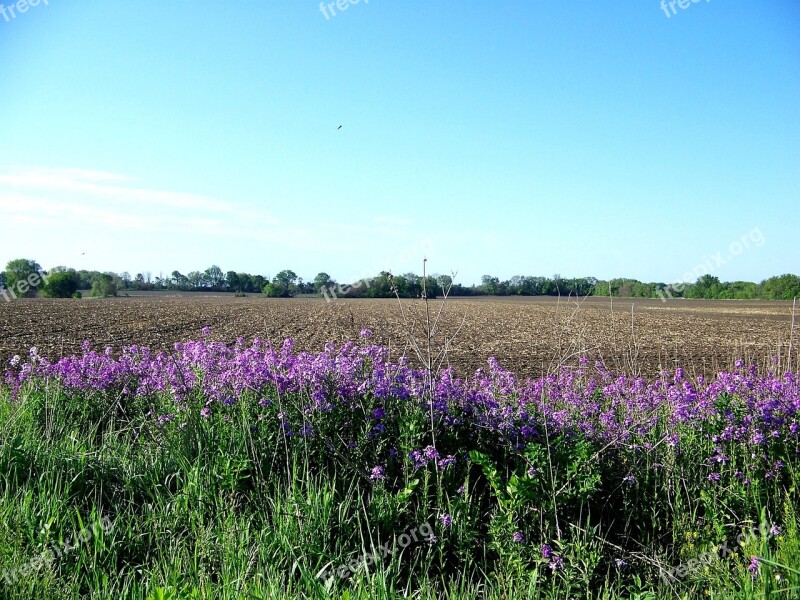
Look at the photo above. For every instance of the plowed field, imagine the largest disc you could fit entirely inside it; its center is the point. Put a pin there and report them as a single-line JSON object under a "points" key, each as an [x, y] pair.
{"points": [[527, 335]]}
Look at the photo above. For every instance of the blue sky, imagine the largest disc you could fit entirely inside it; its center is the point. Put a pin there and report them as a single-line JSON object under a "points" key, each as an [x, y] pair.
{"points": [[520, 137]]}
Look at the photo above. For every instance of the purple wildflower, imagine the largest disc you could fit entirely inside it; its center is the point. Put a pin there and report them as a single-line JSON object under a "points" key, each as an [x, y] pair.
{"points": [[446, 461], [377, 474], [557, 564], [430, 453], [753, 567]]}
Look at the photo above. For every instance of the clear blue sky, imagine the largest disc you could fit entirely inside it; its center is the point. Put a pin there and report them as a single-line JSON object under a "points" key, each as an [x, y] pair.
{"points": [[519, 137]]}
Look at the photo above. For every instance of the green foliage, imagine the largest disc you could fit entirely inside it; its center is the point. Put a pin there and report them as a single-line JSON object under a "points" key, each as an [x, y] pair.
{"points": [[409, 285], [23, 276], [323, 281], [707, 286], [219, 507], [783, 287], [283, 285], [63, 284], [104, 285]]}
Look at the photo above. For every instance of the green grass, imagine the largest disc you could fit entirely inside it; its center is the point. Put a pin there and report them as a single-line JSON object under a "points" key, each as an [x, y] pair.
{"points": [[219, 509]]}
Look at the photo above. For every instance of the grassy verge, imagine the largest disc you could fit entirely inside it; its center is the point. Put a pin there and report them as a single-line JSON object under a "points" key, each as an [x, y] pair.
{"points": [[254, 472]]}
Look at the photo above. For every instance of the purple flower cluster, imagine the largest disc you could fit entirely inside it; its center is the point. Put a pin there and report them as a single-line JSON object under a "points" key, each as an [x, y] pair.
{"points": [[556, 562], [743, 407]]}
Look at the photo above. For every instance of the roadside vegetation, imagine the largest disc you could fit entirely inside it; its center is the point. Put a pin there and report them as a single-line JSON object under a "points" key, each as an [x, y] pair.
{"points": [[254, 471]]}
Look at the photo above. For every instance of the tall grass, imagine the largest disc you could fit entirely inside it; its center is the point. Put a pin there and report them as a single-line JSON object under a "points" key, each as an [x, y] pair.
{"points": [[317, 480]]}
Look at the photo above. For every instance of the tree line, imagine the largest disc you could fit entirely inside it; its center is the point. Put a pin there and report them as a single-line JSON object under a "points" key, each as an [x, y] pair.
{"points": [[26, 278]]}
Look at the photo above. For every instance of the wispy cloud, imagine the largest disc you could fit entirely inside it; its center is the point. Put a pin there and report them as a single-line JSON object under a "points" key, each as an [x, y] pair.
{"points": [[120, 220], [41, 195]]}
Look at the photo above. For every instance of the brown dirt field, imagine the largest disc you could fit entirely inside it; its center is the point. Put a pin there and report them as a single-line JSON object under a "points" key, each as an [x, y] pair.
{"points": [[527, 335]]}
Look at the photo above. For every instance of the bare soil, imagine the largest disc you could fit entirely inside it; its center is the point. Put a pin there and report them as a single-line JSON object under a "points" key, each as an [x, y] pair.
{"points": [[528, 335]]}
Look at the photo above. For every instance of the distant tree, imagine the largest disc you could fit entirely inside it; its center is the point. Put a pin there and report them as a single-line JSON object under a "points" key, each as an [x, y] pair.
{"points": [[286, 278], [490, 284], [62, 284], [86, 278], [444, 281], [195, 279], [323, 281], [272, 290], [549, 287], [283, 285], [707, 287], [782, 287], [740, 290], [179, 280], [214, 277], [382, 285], [246, 283], [431, 286], [232, 281], [23, 276], [126, 280], [104, 285]]}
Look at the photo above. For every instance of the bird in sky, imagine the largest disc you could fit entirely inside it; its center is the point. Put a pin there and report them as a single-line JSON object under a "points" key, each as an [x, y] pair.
{"points": [[339, 128]]}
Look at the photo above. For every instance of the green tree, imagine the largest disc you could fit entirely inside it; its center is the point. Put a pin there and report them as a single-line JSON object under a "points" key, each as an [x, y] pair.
{"points": [[444, 281], [104, 285], [323, 280], [272, 290], [214, 277], [23, 276], [490, 284], [782, 287], [283, 285], [286, 278], [195, 279], [63, 284], [233, 282], [707, 287]]}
